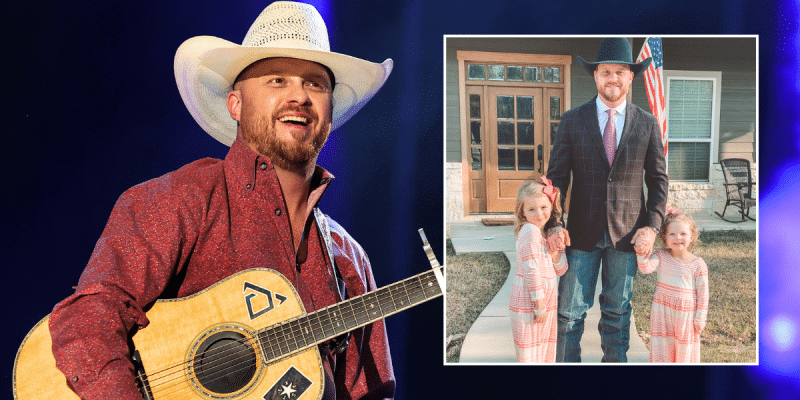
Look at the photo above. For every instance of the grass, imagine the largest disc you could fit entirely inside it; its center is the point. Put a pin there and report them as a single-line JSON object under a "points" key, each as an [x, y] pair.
{"points": [[730, 333], [473, 279]]}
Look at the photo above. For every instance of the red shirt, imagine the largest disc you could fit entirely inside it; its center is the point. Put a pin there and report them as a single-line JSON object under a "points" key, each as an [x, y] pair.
{"points": [[179, 234]]}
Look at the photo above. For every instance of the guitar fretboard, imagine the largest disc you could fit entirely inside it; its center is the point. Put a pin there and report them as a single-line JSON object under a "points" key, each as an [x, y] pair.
{"points": [[312, 329]]}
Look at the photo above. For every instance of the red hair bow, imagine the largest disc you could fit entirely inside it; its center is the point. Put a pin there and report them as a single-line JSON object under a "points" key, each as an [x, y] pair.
{"points": [[549, 190], [673, 211]]}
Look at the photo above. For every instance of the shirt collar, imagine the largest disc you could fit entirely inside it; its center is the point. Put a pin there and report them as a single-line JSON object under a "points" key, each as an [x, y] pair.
{"points": [[244, 165], [602, 107]]}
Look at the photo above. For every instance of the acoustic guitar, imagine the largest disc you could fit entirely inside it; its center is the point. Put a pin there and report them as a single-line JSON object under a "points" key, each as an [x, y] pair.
{"points": [[245, 337]]}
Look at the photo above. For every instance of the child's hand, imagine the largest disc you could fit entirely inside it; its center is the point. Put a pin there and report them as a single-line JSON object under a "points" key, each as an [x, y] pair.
{"points": [[540, 318], [643, 240], [539, 311], [640, 246], [558, 239], [556, 255], [637, 246], [698, 327]]}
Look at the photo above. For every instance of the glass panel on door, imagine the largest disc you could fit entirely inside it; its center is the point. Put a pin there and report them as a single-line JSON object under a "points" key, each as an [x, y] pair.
{"points": [[525, 133], [533, 74], [496, 73], [514, 73], [505, 158], [474, 106], [505, 107], [476, 159], [527, 159], [505, 132], [524, 107], [476, 72], [475, 132]]}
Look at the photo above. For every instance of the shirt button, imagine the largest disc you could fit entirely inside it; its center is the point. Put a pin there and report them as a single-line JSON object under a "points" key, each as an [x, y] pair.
{"points": [[278, 212], [263, 166], [249, 186], [74, 378]]}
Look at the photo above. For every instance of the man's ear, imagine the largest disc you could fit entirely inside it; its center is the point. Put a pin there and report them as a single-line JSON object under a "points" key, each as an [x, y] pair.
{"points": [[234, 103]]}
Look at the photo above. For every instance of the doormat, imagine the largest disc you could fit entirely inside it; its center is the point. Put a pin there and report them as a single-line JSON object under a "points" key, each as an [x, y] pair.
{"points": [[497, 221]]}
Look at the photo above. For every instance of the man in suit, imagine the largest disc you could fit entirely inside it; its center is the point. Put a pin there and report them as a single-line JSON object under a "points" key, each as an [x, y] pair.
{"points": [[610, 149]]}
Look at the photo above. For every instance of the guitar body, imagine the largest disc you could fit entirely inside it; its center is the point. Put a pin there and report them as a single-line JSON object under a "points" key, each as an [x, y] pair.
{"points": [[200, 347]]}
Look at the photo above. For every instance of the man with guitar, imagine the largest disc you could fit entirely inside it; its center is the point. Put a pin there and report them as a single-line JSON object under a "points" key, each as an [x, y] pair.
{"points": [[274, 99]]}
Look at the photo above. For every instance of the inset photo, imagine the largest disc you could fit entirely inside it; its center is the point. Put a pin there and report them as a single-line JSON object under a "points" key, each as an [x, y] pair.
{"points": [[601, 199]]}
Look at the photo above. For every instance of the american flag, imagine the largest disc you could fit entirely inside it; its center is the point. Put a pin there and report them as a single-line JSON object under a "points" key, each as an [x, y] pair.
{"points": [[654, 83]]}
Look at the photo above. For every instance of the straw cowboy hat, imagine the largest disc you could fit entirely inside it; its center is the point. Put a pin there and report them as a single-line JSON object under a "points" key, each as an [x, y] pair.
{"points": [[206, 66], [615, 50]]}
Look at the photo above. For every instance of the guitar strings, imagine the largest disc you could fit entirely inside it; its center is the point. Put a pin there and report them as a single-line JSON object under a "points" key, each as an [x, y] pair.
{"points": [[232, 365], [173, 377], [230, 358], [282, 330]]}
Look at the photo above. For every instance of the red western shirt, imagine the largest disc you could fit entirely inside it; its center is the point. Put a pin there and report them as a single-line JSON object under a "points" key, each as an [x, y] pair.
{"points": [[179, 234]]}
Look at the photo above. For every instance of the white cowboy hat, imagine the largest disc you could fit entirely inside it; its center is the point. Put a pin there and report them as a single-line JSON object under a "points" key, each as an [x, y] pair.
{"points": [[206, 66]]}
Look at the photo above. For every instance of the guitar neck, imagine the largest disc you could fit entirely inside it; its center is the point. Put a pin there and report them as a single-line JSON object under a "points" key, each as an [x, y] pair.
{"points": [[296, 334]]}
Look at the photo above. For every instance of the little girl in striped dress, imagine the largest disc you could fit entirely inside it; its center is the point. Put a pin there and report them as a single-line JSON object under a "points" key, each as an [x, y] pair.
{"points": [[534, 292], [680, 304]]}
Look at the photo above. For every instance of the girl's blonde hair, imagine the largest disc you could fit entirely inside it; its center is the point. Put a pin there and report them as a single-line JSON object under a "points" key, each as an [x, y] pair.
{"points": [[677, 216], [535, 188]]}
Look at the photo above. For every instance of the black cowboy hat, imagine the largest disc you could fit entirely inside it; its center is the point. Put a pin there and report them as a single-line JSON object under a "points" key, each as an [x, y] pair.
{"points": [[615, 50]]}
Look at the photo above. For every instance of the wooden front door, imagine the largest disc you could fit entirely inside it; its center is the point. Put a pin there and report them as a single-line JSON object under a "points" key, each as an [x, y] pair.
{"points": [[517, 148], [510, 106]]}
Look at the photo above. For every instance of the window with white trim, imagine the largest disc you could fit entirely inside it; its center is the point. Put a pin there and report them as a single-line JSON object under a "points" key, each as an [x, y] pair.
{"points": [[692, 124]]}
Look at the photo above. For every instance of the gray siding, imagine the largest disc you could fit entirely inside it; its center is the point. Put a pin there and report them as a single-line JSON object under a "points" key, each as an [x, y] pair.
{"points": [[452, 109], [738, 116]]}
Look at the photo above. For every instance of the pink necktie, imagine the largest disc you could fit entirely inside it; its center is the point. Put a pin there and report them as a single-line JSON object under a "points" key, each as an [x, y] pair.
{"points": [[610, 136]]}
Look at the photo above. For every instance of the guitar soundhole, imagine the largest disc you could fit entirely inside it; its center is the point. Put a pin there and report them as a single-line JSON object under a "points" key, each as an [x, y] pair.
{"points": [[225, 362]]}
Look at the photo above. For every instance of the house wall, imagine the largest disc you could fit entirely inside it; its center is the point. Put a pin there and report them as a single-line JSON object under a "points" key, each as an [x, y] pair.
{"points": [[734, 57]]}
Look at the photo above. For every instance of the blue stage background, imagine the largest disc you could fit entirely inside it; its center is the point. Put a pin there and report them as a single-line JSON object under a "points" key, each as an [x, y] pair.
{"points": [[92, 109]]}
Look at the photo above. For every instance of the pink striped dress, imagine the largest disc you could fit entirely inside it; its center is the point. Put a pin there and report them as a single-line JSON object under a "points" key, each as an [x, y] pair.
{"points": [[535, 279], [680, 306]]}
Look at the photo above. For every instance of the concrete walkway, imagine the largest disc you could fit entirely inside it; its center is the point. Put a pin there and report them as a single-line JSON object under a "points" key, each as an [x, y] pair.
{"points": [[489, 340]]}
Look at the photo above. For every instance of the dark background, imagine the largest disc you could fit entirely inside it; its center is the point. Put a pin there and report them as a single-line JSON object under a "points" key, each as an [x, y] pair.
{"points": [[92, 109]]}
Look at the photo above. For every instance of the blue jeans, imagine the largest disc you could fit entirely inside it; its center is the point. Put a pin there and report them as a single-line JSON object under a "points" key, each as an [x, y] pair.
{"points": [[576, 296]]}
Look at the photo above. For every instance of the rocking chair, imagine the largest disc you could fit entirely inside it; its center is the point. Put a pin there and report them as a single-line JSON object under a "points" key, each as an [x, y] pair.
{"points": [[738, 187]]}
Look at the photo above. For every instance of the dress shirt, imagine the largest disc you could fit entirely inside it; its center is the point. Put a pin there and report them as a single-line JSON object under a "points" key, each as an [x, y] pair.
{"points": [[178, 234], [619, 117]]}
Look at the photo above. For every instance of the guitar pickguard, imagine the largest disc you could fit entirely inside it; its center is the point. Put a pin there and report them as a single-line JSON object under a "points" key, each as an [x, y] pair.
{"points": [[291, 385]]}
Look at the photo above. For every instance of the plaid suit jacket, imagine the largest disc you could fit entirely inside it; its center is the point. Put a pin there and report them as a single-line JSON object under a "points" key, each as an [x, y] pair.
{"points": [[609, 196]]}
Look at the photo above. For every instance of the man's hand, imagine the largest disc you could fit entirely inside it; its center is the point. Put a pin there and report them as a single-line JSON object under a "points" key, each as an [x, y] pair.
{"points": [[557, 239], [643, 240]]}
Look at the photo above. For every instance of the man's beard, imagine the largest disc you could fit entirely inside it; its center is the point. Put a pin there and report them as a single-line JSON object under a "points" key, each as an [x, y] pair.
{"points": [[292, 156], [611, 98]]}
